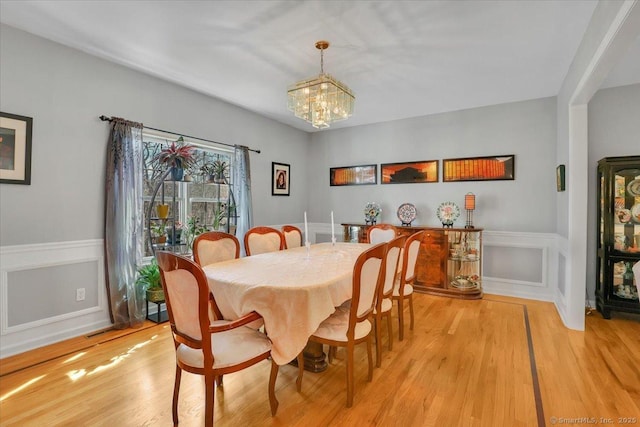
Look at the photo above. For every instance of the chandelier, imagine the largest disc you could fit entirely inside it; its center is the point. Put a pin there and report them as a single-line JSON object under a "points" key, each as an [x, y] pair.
{"points": [[321, 100]]}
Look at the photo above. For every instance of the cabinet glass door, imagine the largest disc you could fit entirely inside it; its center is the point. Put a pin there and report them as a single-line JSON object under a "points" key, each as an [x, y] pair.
{"points": [[623, 281], [626, 211], [463, 263], [601, 213]]}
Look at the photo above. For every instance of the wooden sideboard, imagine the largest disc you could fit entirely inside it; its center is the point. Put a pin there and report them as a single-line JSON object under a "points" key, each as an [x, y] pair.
{"points": [[449, 260]]}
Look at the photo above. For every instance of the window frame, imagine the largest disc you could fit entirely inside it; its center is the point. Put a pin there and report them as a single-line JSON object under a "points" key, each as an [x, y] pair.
{"points": [[183, 199]]}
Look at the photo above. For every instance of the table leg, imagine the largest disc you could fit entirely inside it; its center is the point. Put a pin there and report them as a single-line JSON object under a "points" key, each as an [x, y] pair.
{"points": [[314, 357]]}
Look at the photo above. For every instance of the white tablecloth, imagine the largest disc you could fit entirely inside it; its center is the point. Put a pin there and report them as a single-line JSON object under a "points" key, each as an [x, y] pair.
{"points": [[292, 292]]}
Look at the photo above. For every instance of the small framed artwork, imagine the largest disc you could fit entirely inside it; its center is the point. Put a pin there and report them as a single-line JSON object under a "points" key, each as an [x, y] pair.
{"points": [[409, 172], [492, 168], [353, 175], [560, 178], [15, 149], [280, 179]]}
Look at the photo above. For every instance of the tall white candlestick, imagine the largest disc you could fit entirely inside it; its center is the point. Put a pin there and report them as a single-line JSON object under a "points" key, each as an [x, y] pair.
{"points": [[333, 230], [306, 229]]}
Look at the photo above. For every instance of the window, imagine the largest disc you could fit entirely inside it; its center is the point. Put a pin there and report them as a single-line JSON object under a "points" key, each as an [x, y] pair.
{"points": [[202, 201]]}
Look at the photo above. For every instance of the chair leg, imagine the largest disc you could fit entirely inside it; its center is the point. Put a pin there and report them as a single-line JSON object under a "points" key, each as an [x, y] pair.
{"points": [[219, 381], [377, 320], [400, 319], [370, 356], [209, 392], [176, 392], [389, 330], [411, 311], [350, 349], [332, 353], [300, 371], [273, 401]]}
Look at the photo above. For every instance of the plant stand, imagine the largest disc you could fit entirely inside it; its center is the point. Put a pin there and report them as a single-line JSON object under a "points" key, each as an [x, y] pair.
{"points": [[160, 316]]}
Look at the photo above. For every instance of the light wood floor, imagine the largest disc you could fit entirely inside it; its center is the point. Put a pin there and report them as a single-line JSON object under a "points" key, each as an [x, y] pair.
{"points": [[466, 363]]}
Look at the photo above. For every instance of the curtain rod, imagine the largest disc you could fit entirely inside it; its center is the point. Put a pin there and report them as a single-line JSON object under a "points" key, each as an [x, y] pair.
{"points": [[109, 119]]}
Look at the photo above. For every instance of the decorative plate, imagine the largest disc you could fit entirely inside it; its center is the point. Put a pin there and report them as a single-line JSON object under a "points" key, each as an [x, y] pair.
{"points": [[448, 212], [407, 213], [623, 215], [633, 187], [372, 211], [635, 213], [626, 292]]}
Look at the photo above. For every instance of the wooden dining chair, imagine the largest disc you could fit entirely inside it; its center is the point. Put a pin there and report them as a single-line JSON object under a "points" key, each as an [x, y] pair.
{"points": [[403, 289], [292, 236], [384, 301], [351, 325], [204, 346], [381, 233], [259, 240], [215, 246]]}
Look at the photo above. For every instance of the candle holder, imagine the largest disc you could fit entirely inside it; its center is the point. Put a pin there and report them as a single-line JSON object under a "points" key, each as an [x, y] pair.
{"points": [[470, 206]]}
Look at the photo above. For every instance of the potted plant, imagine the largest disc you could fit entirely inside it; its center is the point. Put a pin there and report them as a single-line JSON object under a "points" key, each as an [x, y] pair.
{"points": [[219, 216], [163, 210], [178, 157], [174, 239], [158, 233], [207, 172], [220, 169], [149, 281], [193, 230]]}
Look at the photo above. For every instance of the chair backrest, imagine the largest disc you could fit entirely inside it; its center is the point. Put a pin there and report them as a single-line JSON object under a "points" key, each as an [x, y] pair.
{"points": [[259, 240], [409, 258], [368, 272], [215, 246], [394, 249], [292, 236], [381, 233], [188, 301]]}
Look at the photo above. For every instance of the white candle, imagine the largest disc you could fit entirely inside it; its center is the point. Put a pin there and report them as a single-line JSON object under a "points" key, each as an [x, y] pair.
{"points": [[306, 230], [333, 230]]}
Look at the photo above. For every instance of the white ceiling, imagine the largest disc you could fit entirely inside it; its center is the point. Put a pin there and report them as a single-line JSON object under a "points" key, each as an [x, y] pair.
{"points": [[401, 58]]}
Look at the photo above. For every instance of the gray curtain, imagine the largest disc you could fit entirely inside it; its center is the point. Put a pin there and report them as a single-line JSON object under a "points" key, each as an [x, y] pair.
{"points": [[242, 190], [123, 223]]}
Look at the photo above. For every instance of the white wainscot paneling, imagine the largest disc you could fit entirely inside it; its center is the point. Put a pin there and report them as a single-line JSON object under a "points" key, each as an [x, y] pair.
{"points": [[54, 315], [560, 298], [522, 265]]}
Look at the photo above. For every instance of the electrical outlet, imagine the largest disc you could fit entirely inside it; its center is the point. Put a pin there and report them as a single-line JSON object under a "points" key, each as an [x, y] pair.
{"points": [[80, 294]]}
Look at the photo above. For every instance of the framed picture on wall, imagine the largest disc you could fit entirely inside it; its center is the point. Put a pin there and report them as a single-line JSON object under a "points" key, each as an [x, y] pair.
{"points": [[491, 168], [353, 175], [280, 179], [409, 172], [15, 149]]}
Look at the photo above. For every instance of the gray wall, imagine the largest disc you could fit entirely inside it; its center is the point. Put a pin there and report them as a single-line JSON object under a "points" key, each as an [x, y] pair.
{"points": [[65, 91], [526, 129], [614, 130]]}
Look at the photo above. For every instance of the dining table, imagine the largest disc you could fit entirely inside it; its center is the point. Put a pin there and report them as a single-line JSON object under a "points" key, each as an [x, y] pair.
{"points": [[294, 290]]}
